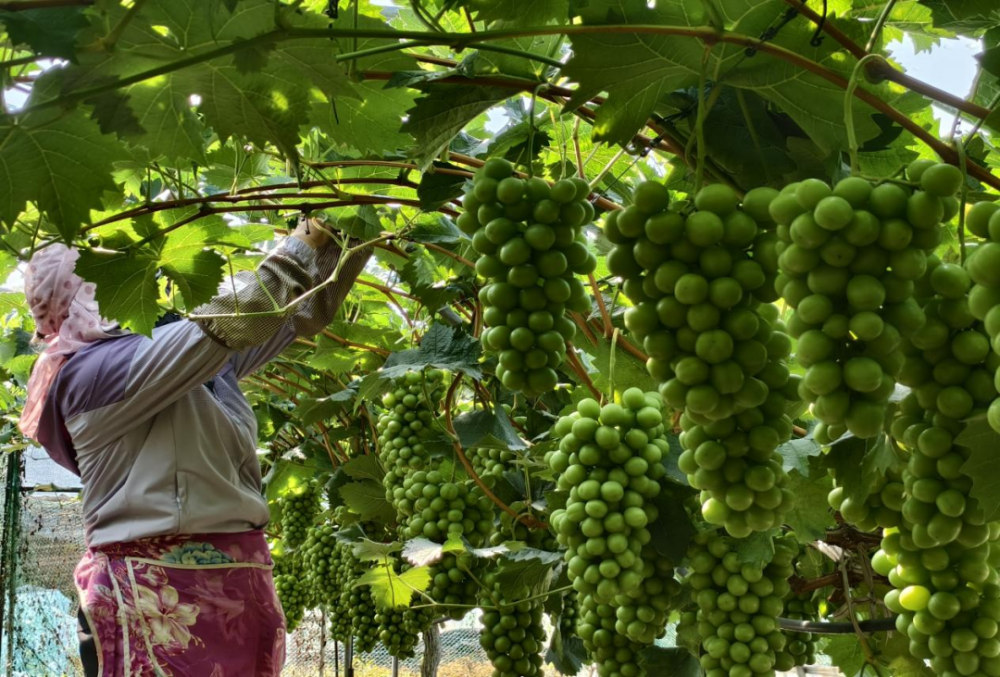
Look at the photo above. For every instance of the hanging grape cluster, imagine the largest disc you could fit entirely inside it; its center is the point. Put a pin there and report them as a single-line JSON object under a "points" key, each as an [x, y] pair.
{"points": [[609, 459], [400, 629], [983, 269], [692, 281], [849, 257], [738, 605], [298, 510], [294, 591], [734, 461], [801, 647], [404, 426], [513, 635], [940, 561], [529, 236]]}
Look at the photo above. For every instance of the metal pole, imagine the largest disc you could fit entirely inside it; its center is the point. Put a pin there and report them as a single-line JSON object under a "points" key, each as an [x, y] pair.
{"points": [[349, 657], [336, 658], [322, 642], [395, 666]]}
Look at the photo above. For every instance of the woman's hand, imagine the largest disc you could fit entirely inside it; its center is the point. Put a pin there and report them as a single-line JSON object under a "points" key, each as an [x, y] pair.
{"points": [[312, 231]]}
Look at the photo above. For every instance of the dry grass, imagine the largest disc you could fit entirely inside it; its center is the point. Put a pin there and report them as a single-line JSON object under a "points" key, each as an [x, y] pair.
{"points": [[461, 668]]}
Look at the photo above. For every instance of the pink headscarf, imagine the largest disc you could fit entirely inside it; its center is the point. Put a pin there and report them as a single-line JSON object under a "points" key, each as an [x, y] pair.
{"points": [[66, 317]]}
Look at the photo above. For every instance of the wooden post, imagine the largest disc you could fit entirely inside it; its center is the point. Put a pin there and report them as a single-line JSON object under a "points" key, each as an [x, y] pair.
{"points": [[432, 652]]}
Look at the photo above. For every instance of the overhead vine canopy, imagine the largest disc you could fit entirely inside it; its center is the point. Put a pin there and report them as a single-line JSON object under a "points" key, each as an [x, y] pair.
{"points": [[173, 140]]}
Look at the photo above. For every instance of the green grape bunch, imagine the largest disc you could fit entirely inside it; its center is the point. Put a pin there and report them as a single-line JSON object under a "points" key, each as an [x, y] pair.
{"points": [[695, 281], [801, 648], [609, 458], [294, 591], [739, 605], [984, 296], [530, 241], [513, 636], [881, 509], [849, 257], [405, 425], [298, 510], [734, 461], [400, 629], [324, 559]]}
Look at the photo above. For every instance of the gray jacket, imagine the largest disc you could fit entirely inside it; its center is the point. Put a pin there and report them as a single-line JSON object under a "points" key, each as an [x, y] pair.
{"points": [[158, 430]]}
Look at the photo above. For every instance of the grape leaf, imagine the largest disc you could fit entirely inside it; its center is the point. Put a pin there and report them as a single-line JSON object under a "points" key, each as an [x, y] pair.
{"points": [[63, 163], [364, 467], [488, 429], [671, 532], [392, 590], [442, 347], [857, 464], [845, 653], [50, 31], [497, 10], [810, 516], [126, 288], [527, 15], [422, 551], [440, 231], [566, 653], [757, 548], [526, 573], [438, 189], [981, 440], [370, 123], [441, 113], [367, 498], [195, 270], [369, 551], [797, 454]]}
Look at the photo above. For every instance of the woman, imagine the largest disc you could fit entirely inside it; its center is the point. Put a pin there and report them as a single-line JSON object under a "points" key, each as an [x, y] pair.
{"points": [[176, 580]]}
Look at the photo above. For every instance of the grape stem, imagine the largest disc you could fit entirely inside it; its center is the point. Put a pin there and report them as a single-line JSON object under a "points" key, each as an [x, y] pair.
{"points": [[577, 366], [601, 306], [526, 520]]}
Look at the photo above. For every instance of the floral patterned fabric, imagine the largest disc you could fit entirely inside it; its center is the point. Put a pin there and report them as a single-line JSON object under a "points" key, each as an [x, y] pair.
{"points": [[176, 606]]}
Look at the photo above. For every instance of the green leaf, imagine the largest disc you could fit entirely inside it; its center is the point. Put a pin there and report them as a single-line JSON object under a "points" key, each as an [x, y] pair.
{"points": [[422, 551], [439, 115], [442, 347], [312, 410], [440, 231], [50, 31], [370, 123], [498, 10], [488, 430], [857, 464], [437, 189], [797, 454], [981, 441], [845, 653], [566, 654], [672, 530], [62, 163], [364, 468], [367, 499], [810, 515], [672, 661], [392, 590], [126, 288], [757, 548], [526, 573], [288, 476], [629, 372], [195, 270], [369, 551]]}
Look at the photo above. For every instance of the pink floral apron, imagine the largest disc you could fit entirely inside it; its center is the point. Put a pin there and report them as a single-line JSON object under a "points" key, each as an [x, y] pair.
{"points": [[174, 606]]}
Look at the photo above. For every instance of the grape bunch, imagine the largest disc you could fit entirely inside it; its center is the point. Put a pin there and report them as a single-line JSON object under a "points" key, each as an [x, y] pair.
{"points": [[613, 652], [400, 629], [881, 509], [489, 462], [738, 605], [984, 297], [609, 458], [513, 635], [734, 461], [404, 426], [570, 613], [530, 241], [323, 558], [694, 281], [801, 647], [298, 510], [849, 258], [293, 589], [435, 508]]}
